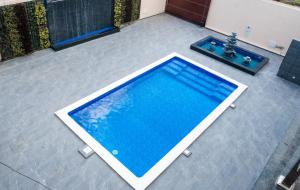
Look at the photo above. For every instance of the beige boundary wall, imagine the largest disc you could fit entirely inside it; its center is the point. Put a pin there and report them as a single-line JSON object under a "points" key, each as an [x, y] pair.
{"points": [[263, 23], [152, 7]]}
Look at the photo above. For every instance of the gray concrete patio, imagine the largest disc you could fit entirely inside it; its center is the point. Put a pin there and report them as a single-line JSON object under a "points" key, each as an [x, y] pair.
{"points": [[230, 155]]}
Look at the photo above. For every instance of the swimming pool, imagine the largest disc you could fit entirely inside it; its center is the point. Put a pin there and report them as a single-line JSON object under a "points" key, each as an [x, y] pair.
{"points": [[140, 124]]}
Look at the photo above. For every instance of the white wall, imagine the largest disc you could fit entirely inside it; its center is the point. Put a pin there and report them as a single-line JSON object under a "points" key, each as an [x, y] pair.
{"points": [[152, 7], [8, 2], [269, 21]]}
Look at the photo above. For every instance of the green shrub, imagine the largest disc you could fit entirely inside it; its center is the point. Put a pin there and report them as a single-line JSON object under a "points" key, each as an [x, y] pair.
{"points": [[32, 25], [123, 8], [22, 22], [5, 49], [135, 11], [10, 22], [40, 14], [118, 13], [23, 28], [44, 38], [290, 2], [130, 10]]}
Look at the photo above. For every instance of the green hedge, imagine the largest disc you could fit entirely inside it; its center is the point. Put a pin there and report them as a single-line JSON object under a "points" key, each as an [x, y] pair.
{"points": [[135, 10], [32, 25], [5, 49], [126, 11], [40, 14], [23, 29], [11, 31], [118, 13]]}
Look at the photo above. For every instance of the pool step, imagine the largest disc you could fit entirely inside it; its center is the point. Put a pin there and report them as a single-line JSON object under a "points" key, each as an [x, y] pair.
{"points": [[205, 84], [177, 68], [200, 88], [199, 81]]}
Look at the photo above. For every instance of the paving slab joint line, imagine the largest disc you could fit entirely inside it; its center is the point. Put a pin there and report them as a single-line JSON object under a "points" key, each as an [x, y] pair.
{"points": [[26, 176]]}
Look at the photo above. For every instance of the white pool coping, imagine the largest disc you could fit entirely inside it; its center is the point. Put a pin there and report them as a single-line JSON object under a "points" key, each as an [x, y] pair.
{"points": [[140, 183]]}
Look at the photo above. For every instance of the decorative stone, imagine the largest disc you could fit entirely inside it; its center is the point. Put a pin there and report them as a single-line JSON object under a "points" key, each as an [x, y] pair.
{"points": [[212, 46], [247, 60], [230, 45]]}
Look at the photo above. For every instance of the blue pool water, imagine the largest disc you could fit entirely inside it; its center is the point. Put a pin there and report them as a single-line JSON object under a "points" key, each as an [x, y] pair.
{"points": [[142, 120]]}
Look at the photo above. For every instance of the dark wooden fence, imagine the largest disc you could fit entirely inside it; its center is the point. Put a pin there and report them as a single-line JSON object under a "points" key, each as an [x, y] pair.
{"points": [[193, 10]]}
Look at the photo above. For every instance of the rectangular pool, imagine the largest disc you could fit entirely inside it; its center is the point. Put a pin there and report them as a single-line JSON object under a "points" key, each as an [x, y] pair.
{"points": [[140, 124]]}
